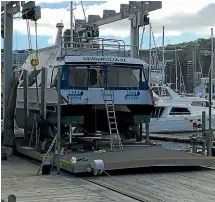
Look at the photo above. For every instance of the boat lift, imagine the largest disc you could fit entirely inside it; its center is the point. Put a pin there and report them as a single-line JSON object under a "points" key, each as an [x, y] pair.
{"points": [[133, 156]]}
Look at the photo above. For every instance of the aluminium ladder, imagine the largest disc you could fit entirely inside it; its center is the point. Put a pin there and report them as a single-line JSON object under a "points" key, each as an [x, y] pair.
{"points": [[108, 96]]}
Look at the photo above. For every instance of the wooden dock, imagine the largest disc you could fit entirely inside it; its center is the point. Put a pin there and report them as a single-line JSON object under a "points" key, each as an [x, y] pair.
{"points": [[19, 178], [190, 186]]}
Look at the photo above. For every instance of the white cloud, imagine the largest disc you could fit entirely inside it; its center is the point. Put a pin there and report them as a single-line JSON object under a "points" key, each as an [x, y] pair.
{"points": [[177, 15], [47, 1], [51, 41]]}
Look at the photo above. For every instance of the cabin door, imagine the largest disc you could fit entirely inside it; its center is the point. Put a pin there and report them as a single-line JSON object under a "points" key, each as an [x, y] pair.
{"points": [[96, 77]]}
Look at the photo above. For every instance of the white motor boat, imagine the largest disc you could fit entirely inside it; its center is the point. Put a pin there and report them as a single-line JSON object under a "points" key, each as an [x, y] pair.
{"points": [[174, 113]]}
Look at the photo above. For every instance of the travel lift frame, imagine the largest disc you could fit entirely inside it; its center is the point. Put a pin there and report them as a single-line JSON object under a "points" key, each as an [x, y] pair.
{"points": [[136, 12], [8, 10]]}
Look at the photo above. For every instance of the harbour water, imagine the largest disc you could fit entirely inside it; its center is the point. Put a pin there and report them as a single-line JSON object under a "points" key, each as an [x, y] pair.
{"points": [[174, 145]]}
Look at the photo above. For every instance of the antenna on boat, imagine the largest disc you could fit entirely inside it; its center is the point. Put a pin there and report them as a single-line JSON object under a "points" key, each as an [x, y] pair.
{"points": [[60, 27]]}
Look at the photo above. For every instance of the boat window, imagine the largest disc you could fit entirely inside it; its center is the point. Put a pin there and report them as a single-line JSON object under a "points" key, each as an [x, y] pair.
{"points": [[77, 76], [101, 78], [179, 111], [54, 76], [145, 75], [93, 77], [161, 92], [31, 78], [200, 103], [122, 77], [157, 112], [196, 103]]}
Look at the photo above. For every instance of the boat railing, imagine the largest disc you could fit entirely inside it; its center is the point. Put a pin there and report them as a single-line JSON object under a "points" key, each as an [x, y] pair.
{"points": [[99, 46]]}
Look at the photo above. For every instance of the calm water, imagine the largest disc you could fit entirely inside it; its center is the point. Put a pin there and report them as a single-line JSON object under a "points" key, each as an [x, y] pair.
{"points": [[174, 145], [177, 145]]}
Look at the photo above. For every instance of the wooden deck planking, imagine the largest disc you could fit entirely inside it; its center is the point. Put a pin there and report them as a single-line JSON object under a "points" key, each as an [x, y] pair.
{"points": [[19, 178], [195, 186]]}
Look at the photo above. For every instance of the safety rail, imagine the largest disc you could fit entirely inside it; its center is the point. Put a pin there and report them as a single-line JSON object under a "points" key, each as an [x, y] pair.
{"points": [[97, 45]]}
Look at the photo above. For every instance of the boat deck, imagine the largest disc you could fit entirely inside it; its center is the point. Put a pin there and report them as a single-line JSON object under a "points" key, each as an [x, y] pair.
{"points": [[133, 156]]}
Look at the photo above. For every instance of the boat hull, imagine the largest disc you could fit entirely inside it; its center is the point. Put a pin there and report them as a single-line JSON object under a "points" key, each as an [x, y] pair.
{"points": [[91, 117], [176, 125]]}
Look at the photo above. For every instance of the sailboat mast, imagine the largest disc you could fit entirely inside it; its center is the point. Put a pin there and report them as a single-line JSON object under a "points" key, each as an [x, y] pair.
{"points": [[150, 53], [163, 64], [180, 73], [210, 144], [176, 71], [212, 60], [71, 23], [194, 69]]}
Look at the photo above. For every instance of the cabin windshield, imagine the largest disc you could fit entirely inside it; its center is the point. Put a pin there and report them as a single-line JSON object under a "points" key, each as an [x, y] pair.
{"points": [[161, 92], [123, 77], [179, 111], [100, 76], [157, 112], [77, 76]]}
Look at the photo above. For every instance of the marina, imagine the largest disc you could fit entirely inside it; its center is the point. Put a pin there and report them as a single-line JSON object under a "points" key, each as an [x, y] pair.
{"points": [[86, 108]]}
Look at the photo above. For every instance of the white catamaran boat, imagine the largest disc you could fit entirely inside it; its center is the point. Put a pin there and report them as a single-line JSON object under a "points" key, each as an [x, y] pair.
{"points": [[95, 74], [83, 81]]}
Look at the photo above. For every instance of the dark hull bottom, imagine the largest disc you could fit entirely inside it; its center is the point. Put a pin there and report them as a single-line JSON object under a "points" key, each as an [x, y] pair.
{"points": [[93, 119]]}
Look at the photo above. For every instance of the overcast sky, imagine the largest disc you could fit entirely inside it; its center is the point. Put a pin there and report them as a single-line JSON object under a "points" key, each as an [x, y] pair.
{"points": [[184, 20]]}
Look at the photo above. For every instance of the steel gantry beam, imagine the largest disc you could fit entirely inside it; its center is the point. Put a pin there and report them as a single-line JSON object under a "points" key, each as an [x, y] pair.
{"points": [[135, 11], [8, 9], [126, 10]]}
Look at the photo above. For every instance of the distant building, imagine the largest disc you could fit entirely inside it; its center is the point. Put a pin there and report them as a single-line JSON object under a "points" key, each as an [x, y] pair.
{"points": [[18, 58]]}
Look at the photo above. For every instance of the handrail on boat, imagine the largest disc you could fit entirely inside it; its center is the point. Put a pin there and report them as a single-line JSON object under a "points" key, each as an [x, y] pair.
{"points": [[121, 46]]}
